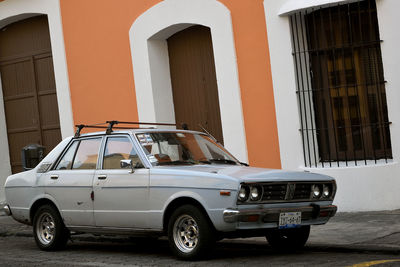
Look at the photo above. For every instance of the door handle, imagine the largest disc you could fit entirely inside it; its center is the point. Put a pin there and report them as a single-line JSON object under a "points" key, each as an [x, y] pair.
{"points": [[102, 177], [54, 177]]}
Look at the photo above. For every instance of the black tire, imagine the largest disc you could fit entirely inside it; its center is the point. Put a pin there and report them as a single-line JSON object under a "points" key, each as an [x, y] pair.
{"points": [[288, 239], [49, 229], [191, 240]]}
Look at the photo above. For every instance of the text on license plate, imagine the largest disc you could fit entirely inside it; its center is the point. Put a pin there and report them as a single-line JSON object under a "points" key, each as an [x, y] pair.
{"points": [[289, 219]]}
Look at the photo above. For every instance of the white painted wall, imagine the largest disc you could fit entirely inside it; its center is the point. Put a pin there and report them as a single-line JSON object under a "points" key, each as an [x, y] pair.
{"points": [[361, 188], [14, 10], [292, 6], [149, 50]]}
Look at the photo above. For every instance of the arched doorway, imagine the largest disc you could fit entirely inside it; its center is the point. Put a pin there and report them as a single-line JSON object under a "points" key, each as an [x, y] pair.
{"points": [[28, 86], [193, 79], [149, 36]]}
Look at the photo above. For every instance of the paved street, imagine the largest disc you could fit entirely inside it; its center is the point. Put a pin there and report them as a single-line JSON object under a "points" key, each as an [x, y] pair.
{"points": [[349, 239]]}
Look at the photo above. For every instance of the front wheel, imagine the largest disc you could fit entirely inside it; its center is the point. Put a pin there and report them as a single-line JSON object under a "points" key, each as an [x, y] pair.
{"points": [[288, 239], [48, 229], [190, 234]]}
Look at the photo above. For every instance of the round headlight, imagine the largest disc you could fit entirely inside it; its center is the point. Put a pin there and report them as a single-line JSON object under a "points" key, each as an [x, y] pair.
{"points": [[326, 191], [255, 193], [316, 191], [243, 193]]}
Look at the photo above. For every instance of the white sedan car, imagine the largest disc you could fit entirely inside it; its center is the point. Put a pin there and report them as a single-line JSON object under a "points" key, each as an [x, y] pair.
{"points": [[178, 183]]}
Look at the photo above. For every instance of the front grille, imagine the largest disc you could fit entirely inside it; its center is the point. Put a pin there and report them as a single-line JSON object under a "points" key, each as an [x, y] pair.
{"points": [[289, 192], [274, 192], [302, 191]]}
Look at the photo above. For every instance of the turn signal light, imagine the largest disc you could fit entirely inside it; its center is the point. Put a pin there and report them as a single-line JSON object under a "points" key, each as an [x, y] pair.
{"points": [[225, 193]]}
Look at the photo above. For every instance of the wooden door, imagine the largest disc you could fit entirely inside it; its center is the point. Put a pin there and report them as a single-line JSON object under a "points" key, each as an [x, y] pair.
{"points": [[194, 82], [28, 84]]}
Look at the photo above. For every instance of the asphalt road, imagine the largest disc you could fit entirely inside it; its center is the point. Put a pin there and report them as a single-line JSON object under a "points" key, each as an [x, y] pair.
{"points": [[22, 251], [350, 239]]}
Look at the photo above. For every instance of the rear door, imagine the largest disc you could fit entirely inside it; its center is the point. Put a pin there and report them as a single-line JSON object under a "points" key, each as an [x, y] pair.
{"points": [[120, 195], [70, 182]]}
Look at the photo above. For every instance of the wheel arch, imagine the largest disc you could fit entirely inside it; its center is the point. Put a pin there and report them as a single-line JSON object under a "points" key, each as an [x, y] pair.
{"points": [[180, 201], [40, 201]]}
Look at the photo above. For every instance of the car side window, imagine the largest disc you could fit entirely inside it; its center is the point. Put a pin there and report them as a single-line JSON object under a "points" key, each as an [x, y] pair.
{"points": [[119, 148], [87, 154], [66, 161]]}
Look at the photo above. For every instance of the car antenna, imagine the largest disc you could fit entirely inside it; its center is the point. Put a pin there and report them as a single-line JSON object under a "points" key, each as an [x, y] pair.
{"points": [[204, 130]]}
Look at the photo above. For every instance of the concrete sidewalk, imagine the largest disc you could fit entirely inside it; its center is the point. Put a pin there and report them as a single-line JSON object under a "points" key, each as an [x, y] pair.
{"points": [[359, 231], [378, 231]]}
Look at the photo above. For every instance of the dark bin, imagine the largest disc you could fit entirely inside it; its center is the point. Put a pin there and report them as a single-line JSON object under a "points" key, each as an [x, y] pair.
{"points": [[31, 156]]}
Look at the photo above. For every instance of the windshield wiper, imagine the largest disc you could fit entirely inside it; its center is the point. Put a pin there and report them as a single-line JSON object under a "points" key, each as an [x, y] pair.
{"points": [[223, 161], [176, 162], [205, 161]]}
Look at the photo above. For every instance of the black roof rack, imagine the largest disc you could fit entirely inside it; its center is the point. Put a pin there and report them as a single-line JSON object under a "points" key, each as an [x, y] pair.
{"points": [[109, 126]]}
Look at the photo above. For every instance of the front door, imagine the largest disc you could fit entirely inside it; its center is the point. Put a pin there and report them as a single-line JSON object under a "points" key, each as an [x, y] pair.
{"points": [[120, 195], [194, 83]]}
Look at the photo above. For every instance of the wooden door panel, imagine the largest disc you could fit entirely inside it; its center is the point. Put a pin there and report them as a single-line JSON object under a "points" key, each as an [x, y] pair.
{"points": [[28, 84], [20, 114], [193, 79], [17, 78], [48, 116], [24, 37], [44, 74], [51, 137]]}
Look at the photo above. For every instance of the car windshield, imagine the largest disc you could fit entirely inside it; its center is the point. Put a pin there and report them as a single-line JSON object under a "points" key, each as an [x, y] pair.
{"points": [[181, 148]]}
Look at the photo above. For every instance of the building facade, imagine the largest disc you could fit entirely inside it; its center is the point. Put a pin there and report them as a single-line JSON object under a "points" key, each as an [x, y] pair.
{"points": [[303, 85]]}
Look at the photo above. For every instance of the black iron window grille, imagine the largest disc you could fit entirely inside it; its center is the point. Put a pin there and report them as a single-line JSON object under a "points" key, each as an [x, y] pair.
{"points": [[340, 85]]}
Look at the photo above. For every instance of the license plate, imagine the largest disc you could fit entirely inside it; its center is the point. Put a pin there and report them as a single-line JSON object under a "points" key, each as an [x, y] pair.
{"points": [[289, 219]]}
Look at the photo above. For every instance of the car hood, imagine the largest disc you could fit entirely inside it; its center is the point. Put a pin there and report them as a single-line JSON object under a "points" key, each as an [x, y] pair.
{"points": [[250, 174]]}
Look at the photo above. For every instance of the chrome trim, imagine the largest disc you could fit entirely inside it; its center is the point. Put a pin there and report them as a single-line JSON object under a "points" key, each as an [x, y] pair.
{"points": [[231, 215], [185, 233], [7, 210], [114, 230], [46, 228]]}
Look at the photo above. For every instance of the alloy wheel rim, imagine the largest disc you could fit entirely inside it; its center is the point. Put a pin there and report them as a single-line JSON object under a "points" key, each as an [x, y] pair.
{"points": [[45, 228], [186, 233]]}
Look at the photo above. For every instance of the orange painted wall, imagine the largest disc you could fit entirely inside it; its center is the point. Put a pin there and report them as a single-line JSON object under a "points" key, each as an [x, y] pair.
{"points": [[255, 79], [96, 36], [101, 77]]}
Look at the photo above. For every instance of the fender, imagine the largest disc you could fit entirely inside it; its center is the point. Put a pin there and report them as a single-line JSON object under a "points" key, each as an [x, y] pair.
{"points": [[189, 194], [44, 196]]}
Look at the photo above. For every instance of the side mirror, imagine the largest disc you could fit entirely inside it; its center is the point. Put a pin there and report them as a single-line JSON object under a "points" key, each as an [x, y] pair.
{"points": [[126, 163]]}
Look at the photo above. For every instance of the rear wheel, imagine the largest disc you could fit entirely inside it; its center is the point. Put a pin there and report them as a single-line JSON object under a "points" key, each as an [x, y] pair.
{"points": [[288, 239], [48, 229], [190, 233]]}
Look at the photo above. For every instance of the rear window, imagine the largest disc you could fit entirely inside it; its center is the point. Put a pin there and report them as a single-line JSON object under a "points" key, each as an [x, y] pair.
{"points": [[81, 154]]}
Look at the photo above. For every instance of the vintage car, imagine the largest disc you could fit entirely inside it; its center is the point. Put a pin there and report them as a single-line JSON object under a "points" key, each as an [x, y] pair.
{"points": [[178, 183]]}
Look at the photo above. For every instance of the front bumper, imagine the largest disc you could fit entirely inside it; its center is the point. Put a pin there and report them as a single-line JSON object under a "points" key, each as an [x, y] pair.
{"points": [[7, 210], [309, 214]]}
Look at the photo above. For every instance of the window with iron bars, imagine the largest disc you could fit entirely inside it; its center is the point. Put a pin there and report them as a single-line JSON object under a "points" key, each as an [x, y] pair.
{"points": [[340, 85]]}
